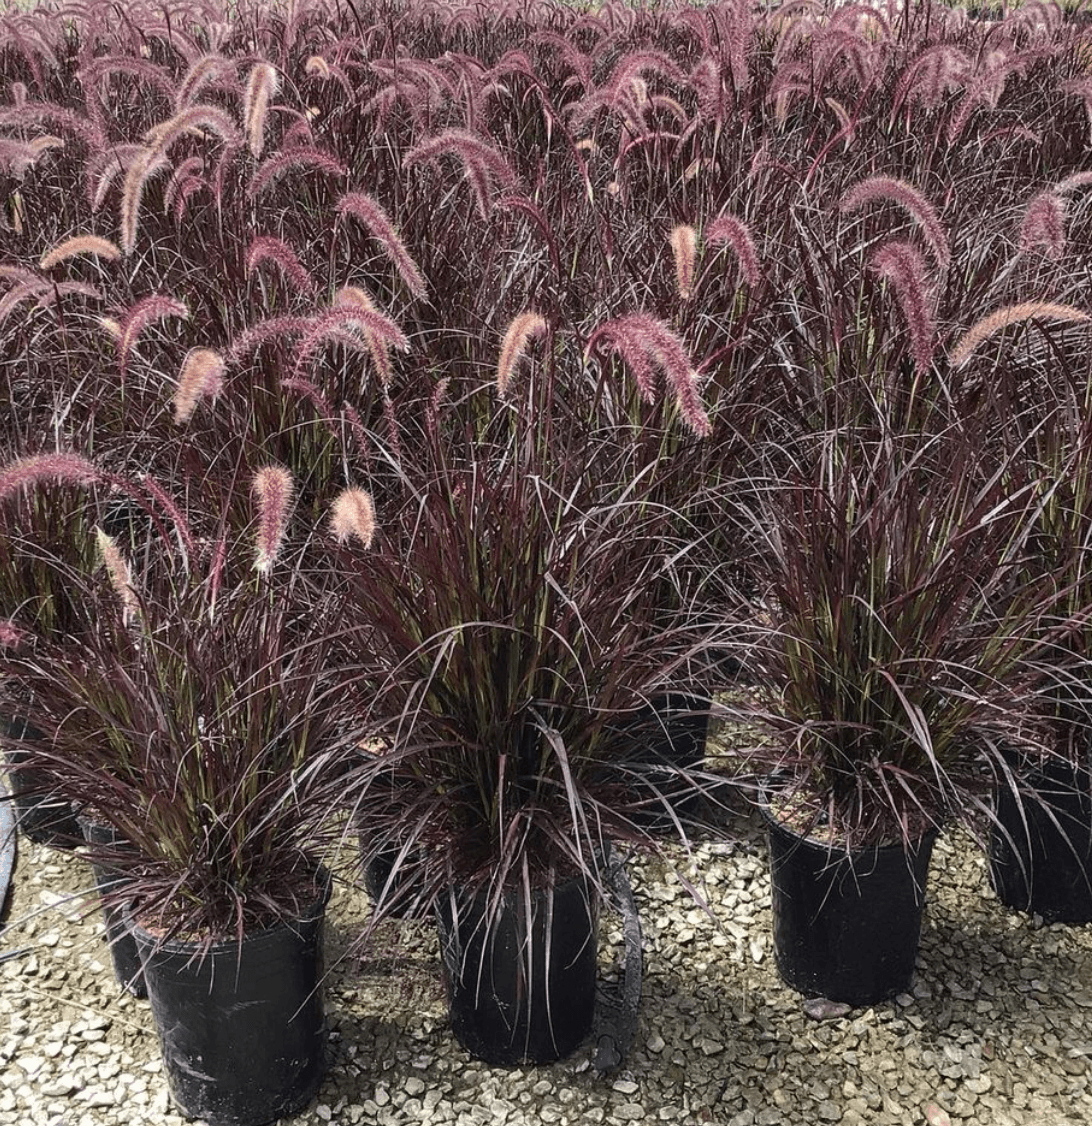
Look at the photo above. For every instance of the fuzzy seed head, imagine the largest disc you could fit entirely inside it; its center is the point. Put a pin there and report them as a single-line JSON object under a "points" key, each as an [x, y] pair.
{"points": [[352, 516], [520, 332], [82, 244], [272, 489], [1011, 314], [202, 377], [684, 247], [41, 469], [117, 568], [260, 87]]}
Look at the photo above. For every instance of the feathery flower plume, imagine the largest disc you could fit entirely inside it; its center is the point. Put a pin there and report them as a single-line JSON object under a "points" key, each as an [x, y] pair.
{"points": [[351, 314], [902, 265], [192, 120], [266, 248], [877, 188], [274, 167], [11, 635], [379, 225], [1002, 318], [15, 296], [642, 340], [272, 489], [272, 328], [157, 493], [483, 164], [527, 325], [19, 156], [103, 167], [316, 65], [121, 578], [353, 515], [184, 175], [202, 72], [77, 289], [140, 170], [41, 469], [82, 244], [354, 297], [139, 316], [1043, 225], [1073, 182], [728, 229], [260, 87], [202, 377], [684, 247]]}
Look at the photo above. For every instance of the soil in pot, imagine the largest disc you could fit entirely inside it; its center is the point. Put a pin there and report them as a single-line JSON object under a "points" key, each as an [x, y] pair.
{"points": [[123, 948], [241, 1025], [1041, 845], [41, 817], [521, 994], [846, 926]]}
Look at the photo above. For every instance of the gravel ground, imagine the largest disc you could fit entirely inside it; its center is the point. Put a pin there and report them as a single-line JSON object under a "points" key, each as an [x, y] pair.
{"points": [[997, 1032]]}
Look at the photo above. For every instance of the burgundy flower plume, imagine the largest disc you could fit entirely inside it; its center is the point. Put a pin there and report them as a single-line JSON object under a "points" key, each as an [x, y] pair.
{"points": [[734, 232], [378, 223], [202, 377], [352, 516], [684, 249], [989, 325], [41, 469], [1043, 225], [902, 265], [879, 188], [643, 341]]}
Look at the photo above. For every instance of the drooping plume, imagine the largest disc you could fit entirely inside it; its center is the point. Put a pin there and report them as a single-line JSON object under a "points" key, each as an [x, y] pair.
{"points": [[353, 516], [274, 167], [520, 333], [272, 488], [732, 231], [45, 469], [138, 317], [260, 87], [483, 164], [880, 188], [902, 265], [684, 248], [140, 170], [81, 244], [121, 578], [379, 225], [202, 377], [1043, 225], [354, 297], [266, 248], [1011, 314], [643, 341]]}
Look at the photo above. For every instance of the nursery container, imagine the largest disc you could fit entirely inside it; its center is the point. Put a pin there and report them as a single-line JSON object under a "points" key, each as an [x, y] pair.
{"points": [[41, 817], [517, 994], [241, 1024], [846, 926], [1041, 845], [123, 948]]}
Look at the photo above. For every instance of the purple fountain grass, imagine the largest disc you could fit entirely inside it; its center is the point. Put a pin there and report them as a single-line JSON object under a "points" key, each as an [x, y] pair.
{"points": [[272, 328], [121, 577], [520, 332], [642, 341], [989, 325], [43, 469], [159, 495], [262, 83], [141, 169], [887, 188], [684, 249], [139, 316], [355, 297], [1073, 182], [352, 516], [274, 167], [102, 168], [162, 136], [379, 225], [80, 244], [734, 232], [903, 266], [18, 157], [202, 377], [205, 71], [373, 326], [483, 164], [273, 489], [268, 248], [99, 69], [1043, 225]]}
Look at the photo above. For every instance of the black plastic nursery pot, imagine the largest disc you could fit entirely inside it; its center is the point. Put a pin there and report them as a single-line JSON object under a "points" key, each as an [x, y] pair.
{"points": [[41, 817], [1041, 846], [846, 926], [402, 898], [123, 948], [521, 994], [241, 1026], [671, 734]]}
